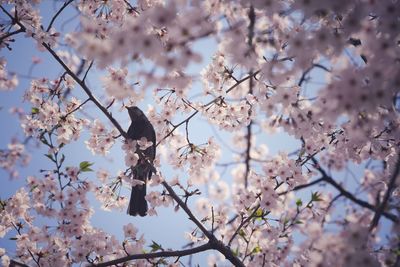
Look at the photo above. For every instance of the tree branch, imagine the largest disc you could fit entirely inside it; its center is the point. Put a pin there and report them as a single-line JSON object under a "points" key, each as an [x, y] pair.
{"points": [[252, 19], [349, 195], [87, 90], [216, 244], [315, 65], [57, 14], [6, 35], [161, 254], [243, 223], [299, 187], [14, 263], [392, 184]]}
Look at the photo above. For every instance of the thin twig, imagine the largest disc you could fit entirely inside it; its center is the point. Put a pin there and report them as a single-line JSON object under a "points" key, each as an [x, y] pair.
{"points": [[315, 65], [6, 35], [302, 186], [87, 71], [14, 263], [57, 14], [243, 223]]}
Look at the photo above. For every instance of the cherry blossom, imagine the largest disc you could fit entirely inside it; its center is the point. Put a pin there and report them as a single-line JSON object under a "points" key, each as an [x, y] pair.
{"points": [[7, 81]]}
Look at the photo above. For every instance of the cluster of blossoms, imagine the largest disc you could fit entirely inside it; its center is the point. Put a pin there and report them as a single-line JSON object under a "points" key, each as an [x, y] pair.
{"points": [[108, 192], [15, 210], [100, 141], [197, 160], [47, 115], [7, 82], [229, 116], [142, 36], [105, 193], [261, 79], [131, 154], [74, 240], [215, 76], [351, 247], [14, 155], [116, 85], [279, 174], [29, 17]]}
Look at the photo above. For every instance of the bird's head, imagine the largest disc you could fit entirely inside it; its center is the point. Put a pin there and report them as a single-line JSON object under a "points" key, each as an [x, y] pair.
{"points": [[135, 112]]}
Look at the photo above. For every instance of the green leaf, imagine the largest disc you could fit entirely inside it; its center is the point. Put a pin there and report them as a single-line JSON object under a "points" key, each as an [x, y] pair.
{"points": [[257, 249], [259, 212], [3, 204], [302, 152], [316, 196], [242, 233], [44, 141], [34, 187], [62, 159], [84, 166], [299, 203], [236, 252], [34, 110], [155, 246], [397, 252], [50, 156]]}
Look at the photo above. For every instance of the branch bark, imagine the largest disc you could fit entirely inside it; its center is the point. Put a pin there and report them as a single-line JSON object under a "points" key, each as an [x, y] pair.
{"points": [[161, 254], [349, 195], [57, 14], [216, 244], [392, 184], [252, 19]]}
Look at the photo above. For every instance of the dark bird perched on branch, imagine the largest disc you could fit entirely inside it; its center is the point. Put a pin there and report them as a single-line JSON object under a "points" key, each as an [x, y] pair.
{"points": [[139, 128]]}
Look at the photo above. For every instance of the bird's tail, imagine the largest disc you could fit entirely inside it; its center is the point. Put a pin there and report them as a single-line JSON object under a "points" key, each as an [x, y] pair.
{"points": [[138, 204]]}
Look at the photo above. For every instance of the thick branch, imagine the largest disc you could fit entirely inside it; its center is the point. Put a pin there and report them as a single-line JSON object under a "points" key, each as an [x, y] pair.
{"points": [[349, 195], [252, 18], [161, 254], [392, 184], [302, 186], [14, 263], [87, 91], [187, 210], [216, 244]]}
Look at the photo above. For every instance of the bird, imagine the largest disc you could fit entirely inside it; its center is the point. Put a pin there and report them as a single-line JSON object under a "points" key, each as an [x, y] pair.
{"points": [[141, 127]]}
